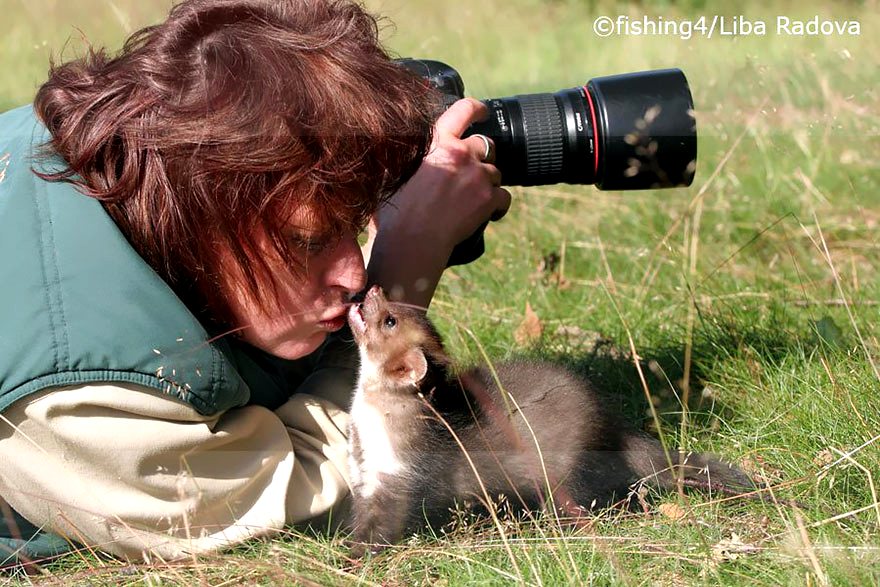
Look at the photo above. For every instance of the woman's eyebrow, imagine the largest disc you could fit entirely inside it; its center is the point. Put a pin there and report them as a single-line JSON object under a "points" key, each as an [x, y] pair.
{"points": [[310, 235]]}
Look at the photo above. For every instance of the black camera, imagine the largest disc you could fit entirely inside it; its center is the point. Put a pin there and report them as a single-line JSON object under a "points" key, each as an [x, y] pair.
{"points": [[620, 132]]}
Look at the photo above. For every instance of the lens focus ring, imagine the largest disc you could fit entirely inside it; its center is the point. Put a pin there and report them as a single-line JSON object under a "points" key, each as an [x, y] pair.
{"points": [[542, 126]]}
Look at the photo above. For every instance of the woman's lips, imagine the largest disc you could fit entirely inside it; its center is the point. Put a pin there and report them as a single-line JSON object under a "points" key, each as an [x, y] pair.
{"points": [[333, 323]]}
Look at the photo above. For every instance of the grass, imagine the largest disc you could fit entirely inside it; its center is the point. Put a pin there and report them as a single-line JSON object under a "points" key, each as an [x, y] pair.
{"points": [[755, 292]]}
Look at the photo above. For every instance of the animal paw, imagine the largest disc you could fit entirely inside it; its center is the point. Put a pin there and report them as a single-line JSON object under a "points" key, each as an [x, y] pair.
{"points": [[360, 549]]}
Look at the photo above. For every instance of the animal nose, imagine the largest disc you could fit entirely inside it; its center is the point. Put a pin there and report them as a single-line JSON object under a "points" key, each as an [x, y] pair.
{"points": [[362, 296]]}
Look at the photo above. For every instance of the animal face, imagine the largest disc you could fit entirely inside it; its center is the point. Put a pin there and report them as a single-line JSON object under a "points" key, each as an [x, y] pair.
{"points": [[391, 339]]}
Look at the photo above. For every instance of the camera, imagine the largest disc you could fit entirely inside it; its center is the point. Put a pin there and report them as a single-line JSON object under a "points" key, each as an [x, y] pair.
{"points": [[620, 132]]}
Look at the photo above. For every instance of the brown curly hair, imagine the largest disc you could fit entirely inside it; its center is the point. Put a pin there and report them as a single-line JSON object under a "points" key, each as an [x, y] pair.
{"points": [[222, 120]]}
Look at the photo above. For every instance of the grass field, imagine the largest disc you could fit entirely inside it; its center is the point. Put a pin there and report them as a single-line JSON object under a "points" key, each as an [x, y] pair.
{"points": [[745, 306]]}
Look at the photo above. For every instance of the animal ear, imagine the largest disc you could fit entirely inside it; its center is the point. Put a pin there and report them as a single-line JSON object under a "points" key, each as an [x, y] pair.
{"points": [[410, 368]]}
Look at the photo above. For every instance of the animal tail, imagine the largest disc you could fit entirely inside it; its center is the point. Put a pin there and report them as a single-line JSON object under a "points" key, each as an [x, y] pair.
{"points": [[645, 456]]}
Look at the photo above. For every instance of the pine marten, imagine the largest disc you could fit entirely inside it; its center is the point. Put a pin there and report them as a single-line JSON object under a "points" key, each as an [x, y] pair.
{"points": [[423, 438]]}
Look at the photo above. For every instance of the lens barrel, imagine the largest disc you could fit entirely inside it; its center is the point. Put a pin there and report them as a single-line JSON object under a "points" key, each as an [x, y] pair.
{"points": [[620, 132]]}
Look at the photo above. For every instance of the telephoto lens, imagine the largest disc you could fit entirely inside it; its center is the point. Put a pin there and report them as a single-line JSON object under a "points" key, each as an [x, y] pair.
{"points": [[620, 132]]}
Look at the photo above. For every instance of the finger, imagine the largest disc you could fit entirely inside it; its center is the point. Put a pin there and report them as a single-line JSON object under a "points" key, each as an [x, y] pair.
{"points": [[503, 198], [461, 115], [493, 173], [482, 146]]}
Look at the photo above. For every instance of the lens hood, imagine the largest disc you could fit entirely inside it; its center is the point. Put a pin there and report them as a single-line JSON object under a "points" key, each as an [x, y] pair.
{"points": [[646, 130]]}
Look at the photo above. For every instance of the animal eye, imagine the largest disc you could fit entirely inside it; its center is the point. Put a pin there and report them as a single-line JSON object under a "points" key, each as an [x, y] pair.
{"points": [[390, 321]]}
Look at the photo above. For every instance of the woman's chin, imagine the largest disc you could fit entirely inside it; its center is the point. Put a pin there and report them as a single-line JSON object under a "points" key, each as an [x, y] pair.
{"points": [[297, 349]]}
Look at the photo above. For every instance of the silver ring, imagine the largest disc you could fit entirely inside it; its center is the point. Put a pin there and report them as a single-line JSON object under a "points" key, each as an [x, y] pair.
{"points": [[488, 146]]}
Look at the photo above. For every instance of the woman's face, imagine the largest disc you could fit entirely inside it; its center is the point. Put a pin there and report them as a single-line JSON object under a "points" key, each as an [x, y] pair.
{"points": [[312, 303]]}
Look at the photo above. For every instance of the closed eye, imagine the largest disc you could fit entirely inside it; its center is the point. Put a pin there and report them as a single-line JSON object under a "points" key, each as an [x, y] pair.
{"points": [[308, 245]]}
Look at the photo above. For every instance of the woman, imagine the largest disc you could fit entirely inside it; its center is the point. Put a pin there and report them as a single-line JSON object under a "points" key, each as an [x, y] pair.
{"points": [[179, 231]]}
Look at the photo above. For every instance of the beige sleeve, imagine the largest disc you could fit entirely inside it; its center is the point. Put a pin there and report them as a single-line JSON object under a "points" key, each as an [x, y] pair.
{"points": [[140, 475]]}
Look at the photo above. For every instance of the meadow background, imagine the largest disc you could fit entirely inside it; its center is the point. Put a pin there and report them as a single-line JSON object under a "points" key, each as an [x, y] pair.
{"points": [[744, 309]]}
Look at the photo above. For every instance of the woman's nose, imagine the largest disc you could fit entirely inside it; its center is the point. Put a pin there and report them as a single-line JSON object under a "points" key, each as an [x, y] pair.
{"points": [[346, 266]]}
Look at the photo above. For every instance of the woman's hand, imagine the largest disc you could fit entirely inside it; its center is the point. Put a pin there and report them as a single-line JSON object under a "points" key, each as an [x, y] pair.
{"points": [[454, 191], [452, 194]]}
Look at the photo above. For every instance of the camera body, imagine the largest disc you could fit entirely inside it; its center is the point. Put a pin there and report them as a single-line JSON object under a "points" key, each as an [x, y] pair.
{"points": [[620, 132]]}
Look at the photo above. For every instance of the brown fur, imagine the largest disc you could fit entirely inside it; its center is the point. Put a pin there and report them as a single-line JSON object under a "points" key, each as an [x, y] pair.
{"points": [[517, 431]]}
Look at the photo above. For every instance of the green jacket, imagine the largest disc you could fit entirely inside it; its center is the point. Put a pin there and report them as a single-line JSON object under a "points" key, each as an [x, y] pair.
{"points": [[79, 305]]}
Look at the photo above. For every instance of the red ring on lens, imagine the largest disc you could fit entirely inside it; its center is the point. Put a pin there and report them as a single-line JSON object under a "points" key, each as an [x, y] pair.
{"points": [[595, 133]]}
